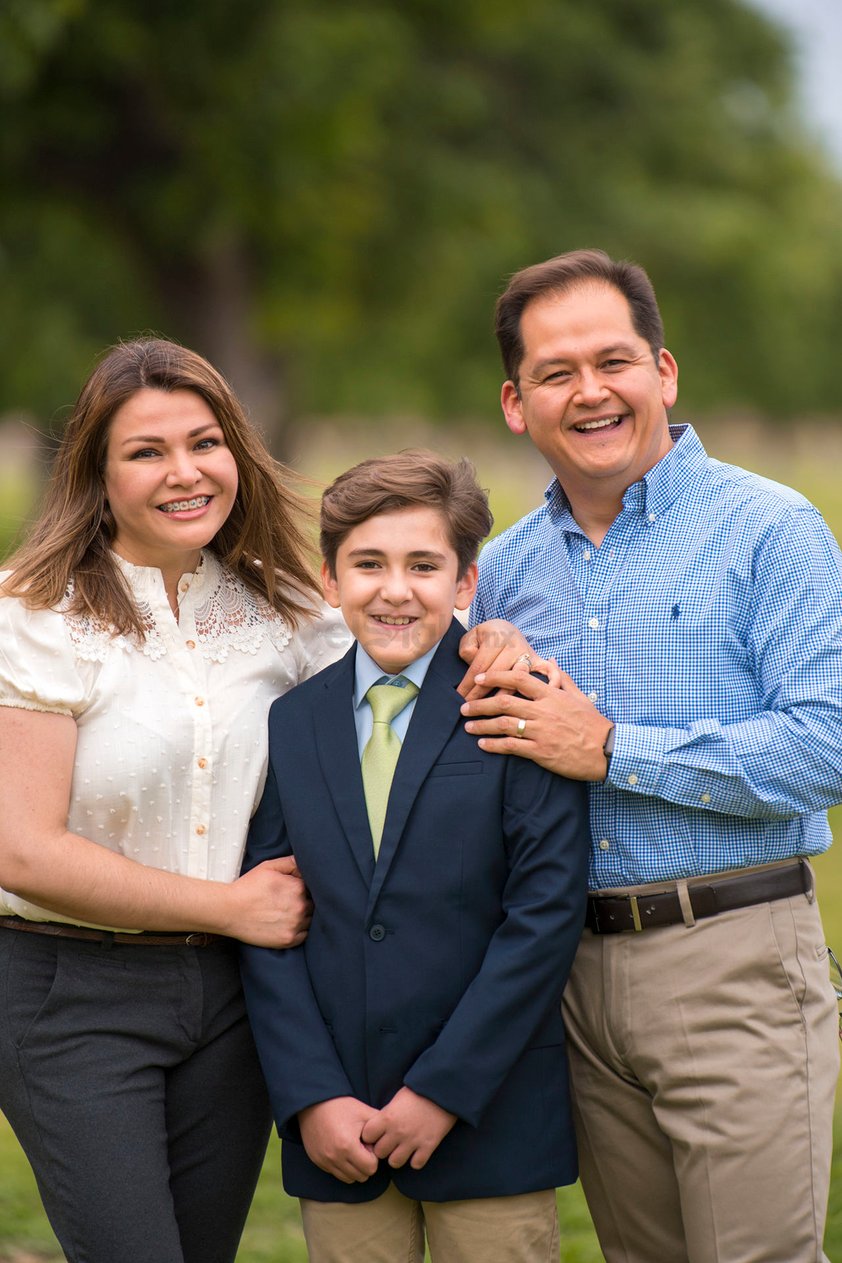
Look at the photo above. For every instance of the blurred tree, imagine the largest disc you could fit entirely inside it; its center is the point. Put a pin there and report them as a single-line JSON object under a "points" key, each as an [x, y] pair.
{"points": [[324, 196]]}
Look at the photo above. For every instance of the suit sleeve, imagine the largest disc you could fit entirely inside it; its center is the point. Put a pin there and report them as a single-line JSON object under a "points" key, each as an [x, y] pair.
{"points": [[299, 1060], [529, 956]]}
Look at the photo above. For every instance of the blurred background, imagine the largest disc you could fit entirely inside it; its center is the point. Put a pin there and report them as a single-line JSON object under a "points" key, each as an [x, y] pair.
{"points": [[325, 197]]}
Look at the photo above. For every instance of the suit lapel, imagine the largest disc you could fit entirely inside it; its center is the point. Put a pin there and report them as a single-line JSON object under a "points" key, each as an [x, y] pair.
{"points": [[336, 743], [435, 716]]}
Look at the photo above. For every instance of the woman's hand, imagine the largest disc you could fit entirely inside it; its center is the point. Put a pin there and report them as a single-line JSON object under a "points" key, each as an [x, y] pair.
{"points": [[271, 905]]}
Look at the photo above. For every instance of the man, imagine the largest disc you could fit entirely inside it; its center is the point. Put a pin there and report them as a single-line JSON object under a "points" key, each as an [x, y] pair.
{"points": [[698, 608]]}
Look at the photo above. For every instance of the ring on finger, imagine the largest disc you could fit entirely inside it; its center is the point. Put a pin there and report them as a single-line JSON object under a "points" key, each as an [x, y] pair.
{"points": [[524, 657], [521, 728]]}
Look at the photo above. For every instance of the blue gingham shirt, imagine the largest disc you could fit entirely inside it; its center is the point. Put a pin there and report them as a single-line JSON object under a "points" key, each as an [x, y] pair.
{"points": [[708, 627]]}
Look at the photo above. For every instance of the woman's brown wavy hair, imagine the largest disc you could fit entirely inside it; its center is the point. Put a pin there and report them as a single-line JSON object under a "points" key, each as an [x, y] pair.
{"points": [[264, 539]]}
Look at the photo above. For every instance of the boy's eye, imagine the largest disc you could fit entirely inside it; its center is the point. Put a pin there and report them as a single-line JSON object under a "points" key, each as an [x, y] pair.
{"points": [[424, 566]]}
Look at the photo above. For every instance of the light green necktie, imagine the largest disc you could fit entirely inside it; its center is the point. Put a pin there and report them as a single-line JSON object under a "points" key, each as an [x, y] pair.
{"points": [[380, 755]]}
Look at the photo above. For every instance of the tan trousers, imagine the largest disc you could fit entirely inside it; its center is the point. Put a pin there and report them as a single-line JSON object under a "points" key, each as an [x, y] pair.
{"points": [[704, 1060], [392, 1228]]}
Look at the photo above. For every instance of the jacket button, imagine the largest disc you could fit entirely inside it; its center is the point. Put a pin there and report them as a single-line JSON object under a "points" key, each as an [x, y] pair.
{"points": [[377, 933]]}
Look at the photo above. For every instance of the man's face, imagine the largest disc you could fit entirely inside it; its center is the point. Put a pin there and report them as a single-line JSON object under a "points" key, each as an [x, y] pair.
{"points": [[593, 399]]}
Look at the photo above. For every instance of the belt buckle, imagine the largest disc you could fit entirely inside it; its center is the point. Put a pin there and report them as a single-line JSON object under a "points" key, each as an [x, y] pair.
{"points": [[635, 911]]}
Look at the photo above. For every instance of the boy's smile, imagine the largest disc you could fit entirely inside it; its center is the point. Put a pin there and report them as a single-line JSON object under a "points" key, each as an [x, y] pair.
{"points": [[397, 584]]}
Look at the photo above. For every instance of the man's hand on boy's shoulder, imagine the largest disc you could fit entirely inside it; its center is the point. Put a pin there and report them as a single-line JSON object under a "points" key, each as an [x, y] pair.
{"points": [[409, 1129], [331, 1133]]}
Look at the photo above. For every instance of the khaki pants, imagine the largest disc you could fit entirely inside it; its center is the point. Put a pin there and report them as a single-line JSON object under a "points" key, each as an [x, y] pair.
{"points": [[391, 1229], [704, 1060]]}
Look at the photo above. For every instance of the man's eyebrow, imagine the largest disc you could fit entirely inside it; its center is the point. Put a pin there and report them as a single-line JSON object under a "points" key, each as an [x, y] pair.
{"points": [[624, 348]]}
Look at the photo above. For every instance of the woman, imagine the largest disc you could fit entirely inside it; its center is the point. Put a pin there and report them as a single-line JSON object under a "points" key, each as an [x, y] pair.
{"points": [[161, 601]]}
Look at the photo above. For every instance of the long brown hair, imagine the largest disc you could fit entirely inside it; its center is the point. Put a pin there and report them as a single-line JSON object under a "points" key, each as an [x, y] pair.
{"points": [[263, 540]]}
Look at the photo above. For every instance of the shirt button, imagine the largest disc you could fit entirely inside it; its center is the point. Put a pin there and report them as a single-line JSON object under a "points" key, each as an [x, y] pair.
{"points": [[200, 701], [593, 622], [201, 830], [604, 844], [202, 762], [587, 554], [632, 779], [651, 517], [377, 933], [705, 798], [191, 644], [592, 697]]}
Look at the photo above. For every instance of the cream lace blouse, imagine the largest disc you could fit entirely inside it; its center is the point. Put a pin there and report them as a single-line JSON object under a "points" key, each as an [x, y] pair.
{"points": [[172, 735]]}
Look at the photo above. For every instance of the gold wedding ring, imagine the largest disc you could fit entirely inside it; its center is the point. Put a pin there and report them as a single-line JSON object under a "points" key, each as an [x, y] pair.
{"points": [[521, 728]]}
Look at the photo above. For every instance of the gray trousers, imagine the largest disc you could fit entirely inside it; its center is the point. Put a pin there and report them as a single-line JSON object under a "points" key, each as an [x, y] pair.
{"points": [[130, 1078]]}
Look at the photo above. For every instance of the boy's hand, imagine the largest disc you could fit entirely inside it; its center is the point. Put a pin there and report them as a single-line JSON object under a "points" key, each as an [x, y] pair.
{"points": [[331, 1131], [409, 1129]]}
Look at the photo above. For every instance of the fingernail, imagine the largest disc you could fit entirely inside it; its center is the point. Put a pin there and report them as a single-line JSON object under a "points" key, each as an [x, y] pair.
{"points": [[480, 678]]}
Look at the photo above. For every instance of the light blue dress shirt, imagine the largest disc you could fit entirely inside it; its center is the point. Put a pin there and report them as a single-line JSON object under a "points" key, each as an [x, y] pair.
{"points": [[366, 673], [708, 627]]}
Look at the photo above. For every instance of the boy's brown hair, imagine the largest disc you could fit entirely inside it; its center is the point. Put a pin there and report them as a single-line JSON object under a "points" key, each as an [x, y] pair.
{"points": [[408, 479]]}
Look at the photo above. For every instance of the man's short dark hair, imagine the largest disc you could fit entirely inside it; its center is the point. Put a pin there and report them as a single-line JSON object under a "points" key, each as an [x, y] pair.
{"points": [[555, 276]]}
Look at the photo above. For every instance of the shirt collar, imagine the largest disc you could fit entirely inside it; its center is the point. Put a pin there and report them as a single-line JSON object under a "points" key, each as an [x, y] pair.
{"points": [[674, 473], [367, 672]]}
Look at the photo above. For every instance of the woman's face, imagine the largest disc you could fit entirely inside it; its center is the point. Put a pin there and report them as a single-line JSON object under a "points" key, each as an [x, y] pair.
{"points": [[170, 478]]}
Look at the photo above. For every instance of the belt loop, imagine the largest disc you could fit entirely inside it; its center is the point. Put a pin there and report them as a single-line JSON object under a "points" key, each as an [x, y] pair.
{"points": [[635, 911], [808, 879], [685, 903]]}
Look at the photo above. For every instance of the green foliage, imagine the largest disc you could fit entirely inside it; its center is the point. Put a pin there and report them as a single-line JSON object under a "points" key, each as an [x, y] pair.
{"points": [[324, 198]]}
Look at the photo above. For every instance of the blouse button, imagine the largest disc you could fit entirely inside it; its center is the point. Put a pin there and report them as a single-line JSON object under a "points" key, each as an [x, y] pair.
{"points": [[200, 701], [191, 644], [202, 762], [201, 830]]}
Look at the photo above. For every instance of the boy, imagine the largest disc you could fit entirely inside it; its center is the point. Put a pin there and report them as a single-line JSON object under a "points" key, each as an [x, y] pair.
{"points": [[413, 1047]]}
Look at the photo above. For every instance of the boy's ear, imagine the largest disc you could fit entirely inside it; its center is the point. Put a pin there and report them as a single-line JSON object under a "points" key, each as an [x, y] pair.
{"points": [[466, 587], [330, 587]]}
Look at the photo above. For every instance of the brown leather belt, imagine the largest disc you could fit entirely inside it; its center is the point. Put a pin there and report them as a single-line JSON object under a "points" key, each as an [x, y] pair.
{"points": [[186, 938], [612, 914]]}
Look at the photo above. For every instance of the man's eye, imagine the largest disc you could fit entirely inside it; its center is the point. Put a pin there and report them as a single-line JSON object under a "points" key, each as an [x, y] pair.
{"points": [[614, 363]]}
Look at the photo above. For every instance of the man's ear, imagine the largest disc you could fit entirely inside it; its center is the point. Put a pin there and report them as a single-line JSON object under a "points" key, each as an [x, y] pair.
{"points": [[512, 406], [330, 587], [668, 373], [466, 587]]}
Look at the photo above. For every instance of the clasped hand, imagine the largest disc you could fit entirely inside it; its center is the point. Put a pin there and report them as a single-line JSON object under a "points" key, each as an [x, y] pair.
{"points": [[347, 1138]]}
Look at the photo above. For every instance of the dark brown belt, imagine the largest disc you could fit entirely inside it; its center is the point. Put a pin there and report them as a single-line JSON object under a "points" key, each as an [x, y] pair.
{"points": [[186, 938], [611, 914]]}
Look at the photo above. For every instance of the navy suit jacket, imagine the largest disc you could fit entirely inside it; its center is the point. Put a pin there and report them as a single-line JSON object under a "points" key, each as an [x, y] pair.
{"points": [[441, 965]]}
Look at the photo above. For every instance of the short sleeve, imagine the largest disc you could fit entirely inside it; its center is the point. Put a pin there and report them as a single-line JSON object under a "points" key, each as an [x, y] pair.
{"points": [[319, 641], [37, 665]]}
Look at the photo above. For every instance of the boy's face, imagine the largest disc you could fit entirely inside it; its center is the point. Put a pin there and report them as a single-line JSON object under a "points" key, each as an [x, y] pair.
{"points": [[397, 585]]}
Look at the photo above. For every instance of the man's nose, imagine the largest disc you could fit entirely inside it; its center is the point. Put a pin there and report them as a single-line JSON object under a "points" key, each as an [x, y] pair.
{"points": [[590, 386]]}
